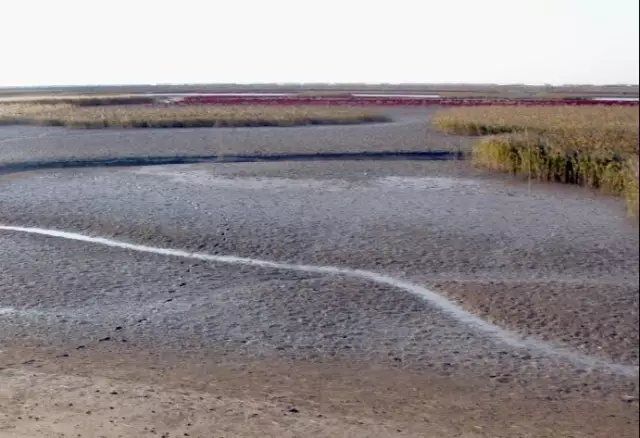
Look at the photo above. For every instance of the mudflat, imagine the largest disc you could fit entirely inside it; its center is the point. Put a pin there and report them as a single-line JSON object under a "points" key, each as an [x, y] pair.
{"points": [[245, 350]]}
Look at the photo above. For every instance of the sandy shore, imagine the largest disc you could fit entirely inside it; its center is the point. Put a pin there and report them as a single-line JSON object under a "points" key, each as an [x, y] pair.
{"points": [[101, 393]]}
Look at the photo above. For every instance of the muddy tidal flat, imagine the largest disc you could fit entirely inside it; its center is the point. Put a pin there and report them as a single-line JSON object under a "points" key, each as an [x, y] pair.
{"points": [[365, 294]]}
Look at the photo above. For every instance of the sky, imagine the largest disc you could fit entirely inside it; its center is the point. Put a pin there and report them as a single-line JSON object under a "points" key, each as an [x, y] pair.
{"points": [[80, 42]]}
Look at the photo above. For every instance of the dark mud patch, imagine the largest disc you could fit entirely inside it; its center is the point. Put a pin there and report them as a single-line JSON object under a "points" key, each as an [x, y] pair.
{"points": [[596, 318]]}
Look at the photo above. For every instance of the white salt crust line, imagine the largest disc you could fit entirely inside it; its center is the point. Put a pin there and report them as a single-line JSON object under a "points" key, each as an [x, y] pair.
{"points": [[452, 309]]}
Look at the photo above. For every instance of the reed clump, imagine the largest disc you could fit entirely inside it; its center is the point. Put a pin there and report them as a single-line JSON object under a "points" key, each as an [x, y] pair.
{"points": [[590, 146], [179, 116]]}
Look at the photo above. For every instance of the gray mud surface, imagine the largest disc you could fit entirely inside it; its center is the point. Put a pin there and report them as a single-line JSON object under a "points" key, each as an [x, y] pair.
{"points": [[556, 263], [409, 131]]}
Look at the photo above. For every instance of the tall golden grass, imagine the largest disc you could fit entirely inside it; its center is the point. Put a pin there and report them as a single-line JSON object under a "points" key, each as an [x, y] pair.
{"points": [[594, 146], [168, 116]]}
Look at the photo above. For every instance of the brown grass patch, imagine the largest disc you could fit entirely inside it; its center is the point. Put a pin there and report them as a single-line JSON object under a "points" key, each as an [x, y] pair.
{"points": [[590, 146], [186, 116]]}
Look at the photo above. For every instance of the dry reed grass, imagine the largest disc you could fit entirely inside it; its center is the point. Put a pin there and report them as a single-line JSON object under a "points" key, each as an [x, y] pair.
{"points": [[168, 116], [590, 146]]}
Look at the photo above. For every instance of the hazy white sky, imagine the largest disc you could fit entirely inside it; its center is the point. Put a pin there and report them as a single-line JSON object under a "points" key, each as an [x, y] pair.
{"points": [[500, 41]]}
